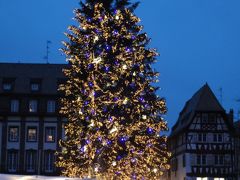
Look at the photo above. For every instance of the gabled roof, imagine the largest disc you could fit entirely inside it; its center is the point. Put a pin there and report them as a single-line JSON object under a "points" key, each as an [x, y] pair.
{"points": [[203, 100]]}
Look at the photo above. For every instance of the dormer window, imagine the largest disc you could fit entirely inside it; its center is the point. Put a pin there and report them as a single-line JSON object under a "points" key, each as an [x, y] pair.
{"points": [[35, 85], [7, 84]]}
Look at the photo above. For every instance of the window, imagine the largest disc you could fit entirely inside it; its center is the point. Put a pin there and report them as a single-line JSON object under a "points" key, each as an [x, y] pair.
{"points": [[204, 118], [219, 159], [14, 105], [219, 178], [13, 134], [50, 134], [7, 86], [217, 138], [32, 134], [212, 118], [202, 178], [35, 86], [12, 160], [33, 106], [49, 161], [201, 159], [51, 105], [220, 139], [184, 160], [31, 159], [202, 137]]}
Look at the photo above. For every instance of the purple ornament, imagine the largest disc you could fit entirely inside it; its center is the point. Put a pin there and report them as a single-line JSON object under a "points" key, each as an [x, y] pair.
{"points": [[90, 66], [150, 130], [128, 50], [90, 84], [110, 119], [115, 32], [109, 142], [108, 47]]}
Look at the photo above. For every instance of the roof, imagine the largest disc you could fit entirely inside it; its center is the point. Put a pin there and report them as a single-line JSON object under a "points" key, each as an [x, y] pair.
{"points": [[23, 74], [203, 100]]}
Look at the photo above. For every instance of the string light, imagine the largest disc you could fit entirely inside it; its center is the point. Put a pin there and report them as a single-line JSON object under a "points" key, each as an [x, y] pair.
{"points": [[113, 112]]}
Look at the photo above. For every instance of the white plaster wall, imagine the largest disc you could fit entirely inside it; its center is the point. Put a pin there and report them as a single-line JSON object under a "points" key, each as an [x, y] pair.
{"points": [[181, 171]]}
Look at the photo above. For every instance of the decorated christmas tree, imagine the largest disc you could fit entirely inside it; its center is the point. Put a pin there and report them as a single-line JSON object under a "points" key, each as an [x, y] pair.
{"points": [[114, 114]]}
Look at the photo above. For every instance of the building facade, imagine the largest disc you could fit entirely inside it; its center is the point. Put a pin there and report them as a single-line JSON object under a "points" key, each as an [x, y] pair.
{"points": [[202, 141], [30, 123]]}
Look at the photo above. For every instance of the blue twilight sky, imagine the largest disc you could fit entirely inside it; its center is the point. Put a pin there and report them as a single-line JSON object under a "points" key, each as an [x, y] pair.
{"points": [[199, 42]]}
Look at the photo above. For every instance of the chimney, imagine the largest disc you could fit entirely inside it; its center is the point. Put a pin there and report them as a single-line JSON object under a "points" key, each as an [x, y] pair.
{"points": [[231, 116]]}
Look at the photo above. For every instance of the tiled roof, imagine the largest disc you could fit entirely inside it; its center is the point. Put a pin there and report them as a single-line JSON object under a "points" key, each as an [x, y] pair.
{"points": [[48, 74], [203, 100]]}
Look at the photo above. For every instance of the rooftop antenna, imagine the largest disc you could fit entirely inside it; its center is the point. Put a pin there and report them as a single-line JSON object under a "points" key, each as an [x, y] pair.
{"points": [[47, 51], [221, 95]]}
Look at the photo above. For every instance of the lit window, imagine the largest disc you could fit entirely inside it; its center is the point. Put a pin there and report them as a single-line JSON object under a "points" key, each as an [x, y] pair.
{"points": [[219, 178], [14, 105], [50, 134], [51, 106], [32, 134], [13, 134], [202, 178], [33, 106], [35, 86]]}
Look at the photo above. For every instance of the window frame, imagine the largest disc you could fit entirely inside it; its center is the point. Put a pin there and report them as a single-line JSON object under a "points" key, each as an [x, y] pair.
{"points": [[49, 161], [27, 134], [29, 106], [14, 107], [9, 133], [12, 160], [47, 128], [10, 82], [51, 106], [32, 166]]}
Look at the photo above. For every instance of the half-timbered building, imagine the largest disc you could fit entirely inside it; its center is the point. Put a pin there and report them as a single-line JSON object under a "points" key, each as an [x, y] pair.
{"points": [[202, 140]]}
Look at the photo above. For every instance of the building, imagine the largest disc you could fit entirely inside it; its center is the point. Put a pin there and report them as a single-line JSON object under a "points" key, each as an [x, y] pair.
{"points": [[30, 124], [237, 148], [202, 140]]}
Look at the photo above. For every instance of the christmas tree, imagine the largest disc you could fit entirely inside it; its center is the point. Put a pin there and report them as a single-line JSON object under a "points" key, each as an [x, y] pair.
{"points": [[114, 115]]}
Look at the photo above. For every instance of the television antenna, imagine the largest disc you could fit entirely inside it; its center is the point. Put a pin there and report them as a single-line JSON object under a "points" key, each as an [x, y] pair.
{"points": [[47, 51]]}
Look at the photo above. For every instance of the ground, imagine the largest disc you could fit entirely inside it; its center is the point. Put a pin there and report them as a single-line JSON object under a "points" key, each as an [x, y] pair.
{"points": [[34, 177]]}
